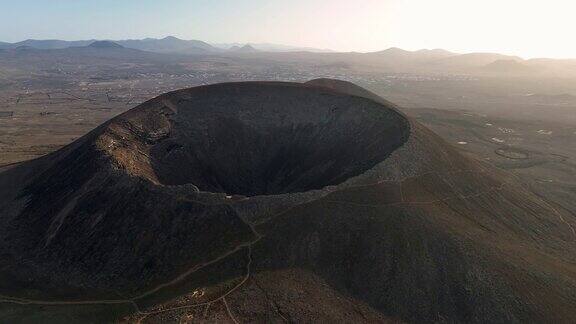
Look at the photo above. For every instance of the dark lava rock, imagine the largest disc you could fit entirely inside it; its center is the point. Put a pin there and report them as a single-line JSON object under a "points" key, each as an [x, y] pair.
{"points": [[268, 202]]}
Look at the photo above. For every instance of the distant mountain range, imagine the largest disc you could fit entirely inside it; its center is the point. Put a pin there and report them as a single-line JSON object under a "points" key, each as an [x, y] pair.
{"points": [[105, 44], [434, 61], [268, 47], [243, 49], [168, 44], [396, 60]]}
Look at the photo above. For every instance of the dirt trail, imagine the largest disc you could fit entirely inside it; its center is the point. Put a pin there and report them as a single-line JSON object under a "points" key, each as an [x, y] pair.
{"points": [[248, 245], [133, 300]]}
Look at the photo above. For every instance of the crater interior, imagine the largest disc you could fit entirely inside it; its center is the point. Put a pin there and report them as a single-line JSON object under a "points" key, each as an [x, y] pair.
{"points": [[270, 138]]}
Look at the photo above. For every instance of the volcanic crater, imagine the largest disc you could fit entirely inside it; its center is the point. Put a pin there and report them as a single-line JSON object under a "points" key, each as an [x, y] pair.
{"points": [[262, 138], [346, 211]]}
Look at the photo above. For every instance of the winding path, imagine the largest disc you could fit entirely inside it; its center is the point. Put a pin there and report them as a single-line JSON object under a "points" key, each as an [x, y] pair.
{"points": [[248, 245]]}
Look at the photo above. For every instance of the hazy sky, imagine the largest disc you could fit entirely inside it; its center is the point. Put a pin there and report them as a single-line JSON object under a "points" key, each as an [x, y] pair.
{"points": [[529, 28]]}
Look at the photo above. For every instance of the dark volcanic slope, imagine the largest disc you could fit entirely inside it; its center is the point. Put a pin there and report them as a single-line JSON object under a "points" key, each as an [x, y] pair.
{"points": [[267, 202]]}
